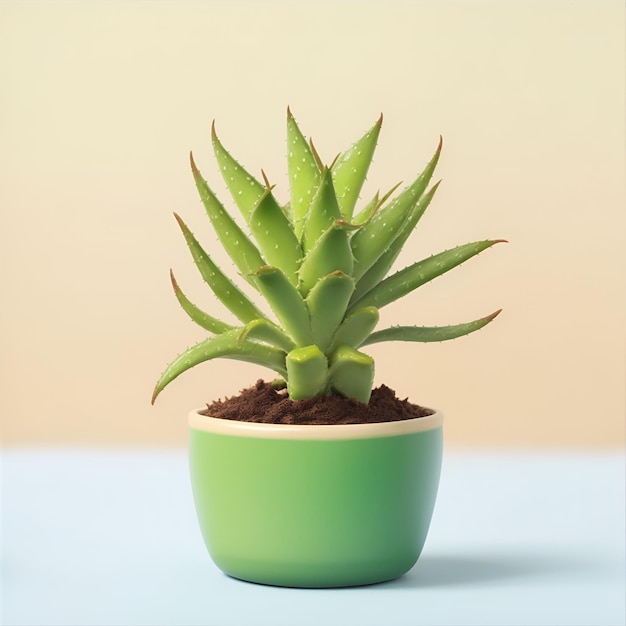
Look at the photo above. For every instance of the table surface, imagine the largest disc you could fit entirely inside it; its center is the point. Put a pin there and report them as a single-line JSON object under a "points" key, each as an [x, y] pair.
{"points": [[110, 537]]}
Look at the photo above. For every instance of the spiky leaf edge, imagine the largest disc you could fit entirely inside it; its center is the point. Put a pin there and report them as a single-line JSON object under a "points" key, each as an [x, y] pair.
{"points": [[226, 345], [426, 334]]}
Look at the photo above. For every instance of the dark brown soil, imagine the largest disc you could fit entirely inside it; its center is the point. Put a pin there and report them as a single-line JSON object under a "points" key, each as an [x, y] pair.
{"points": [[263, 403]]}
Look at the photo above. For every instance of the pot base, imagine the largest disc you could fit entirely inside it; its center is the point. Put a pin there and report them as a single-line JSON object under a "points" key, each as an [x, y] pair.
{"points": [[308, 577]]}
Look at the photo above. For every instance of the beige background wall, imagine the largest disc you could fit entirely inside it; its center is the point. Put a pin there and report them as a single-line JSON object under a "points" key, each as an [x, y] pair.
{"points": [[101, 101]]}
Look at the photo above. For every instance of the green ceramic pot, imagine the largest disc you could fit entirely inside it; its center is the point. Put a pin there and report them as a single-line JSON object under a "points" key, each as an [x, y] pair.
{"points": [[315, 506]]}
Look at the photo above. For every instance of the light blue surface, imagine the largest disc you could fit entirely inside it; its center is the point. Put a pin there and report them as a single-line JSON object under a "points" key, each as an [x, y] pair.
{"points": [[93, 537]]}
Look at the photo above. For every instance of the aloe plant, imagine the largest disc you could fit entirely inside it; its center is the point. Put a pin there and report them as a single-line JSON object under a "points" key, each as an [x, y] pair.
{"points": [[323, 268]]}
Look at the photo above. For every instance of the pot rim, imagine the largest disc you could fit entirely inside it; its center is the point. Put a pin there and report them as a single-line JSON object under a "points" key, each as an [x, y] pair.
{"points": [[220, 426]]}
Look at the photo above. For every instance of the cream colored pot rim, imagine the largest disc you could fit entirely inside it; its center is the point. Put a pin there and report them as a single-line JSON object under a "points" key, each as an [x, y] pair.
{"points": [[221, 426]]}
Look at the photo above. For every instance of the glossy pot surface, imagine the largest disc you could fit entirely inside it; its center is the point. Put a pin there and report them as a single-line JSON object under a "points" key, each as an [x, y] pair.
{"points": [[315, 506]]}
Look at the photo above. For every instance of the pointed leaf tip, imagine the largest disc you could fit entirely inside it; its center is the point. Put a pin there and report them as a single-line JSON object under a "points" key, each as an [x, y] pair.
{"points": [[179, 219], [493, 315], [213, 133], [316, 156], [194, 168], [332, 163], [268, 186]]}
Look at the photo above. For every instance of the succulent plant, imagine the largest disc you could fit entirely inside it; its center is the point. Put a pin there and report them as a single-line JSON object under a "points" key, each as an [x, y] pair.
{"points": [[322, 268]]}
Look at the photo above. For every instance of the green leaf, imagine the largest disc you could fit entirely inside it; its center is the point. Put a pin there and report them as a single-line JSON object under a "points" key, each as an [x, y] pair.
{"points": [[244, 188], [304, 173], [287, 303], [275, 236], [388, 194], [238, 246], [379, 270], [350, 169], [228, 293], [323, 212], [352, 373], [226, 346], [416, 275], [327, 303], [206, 321], [368, 210], [371, 241], [427, 334], [331, 253], [356, 328], [267, 332], [307, 372]]}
